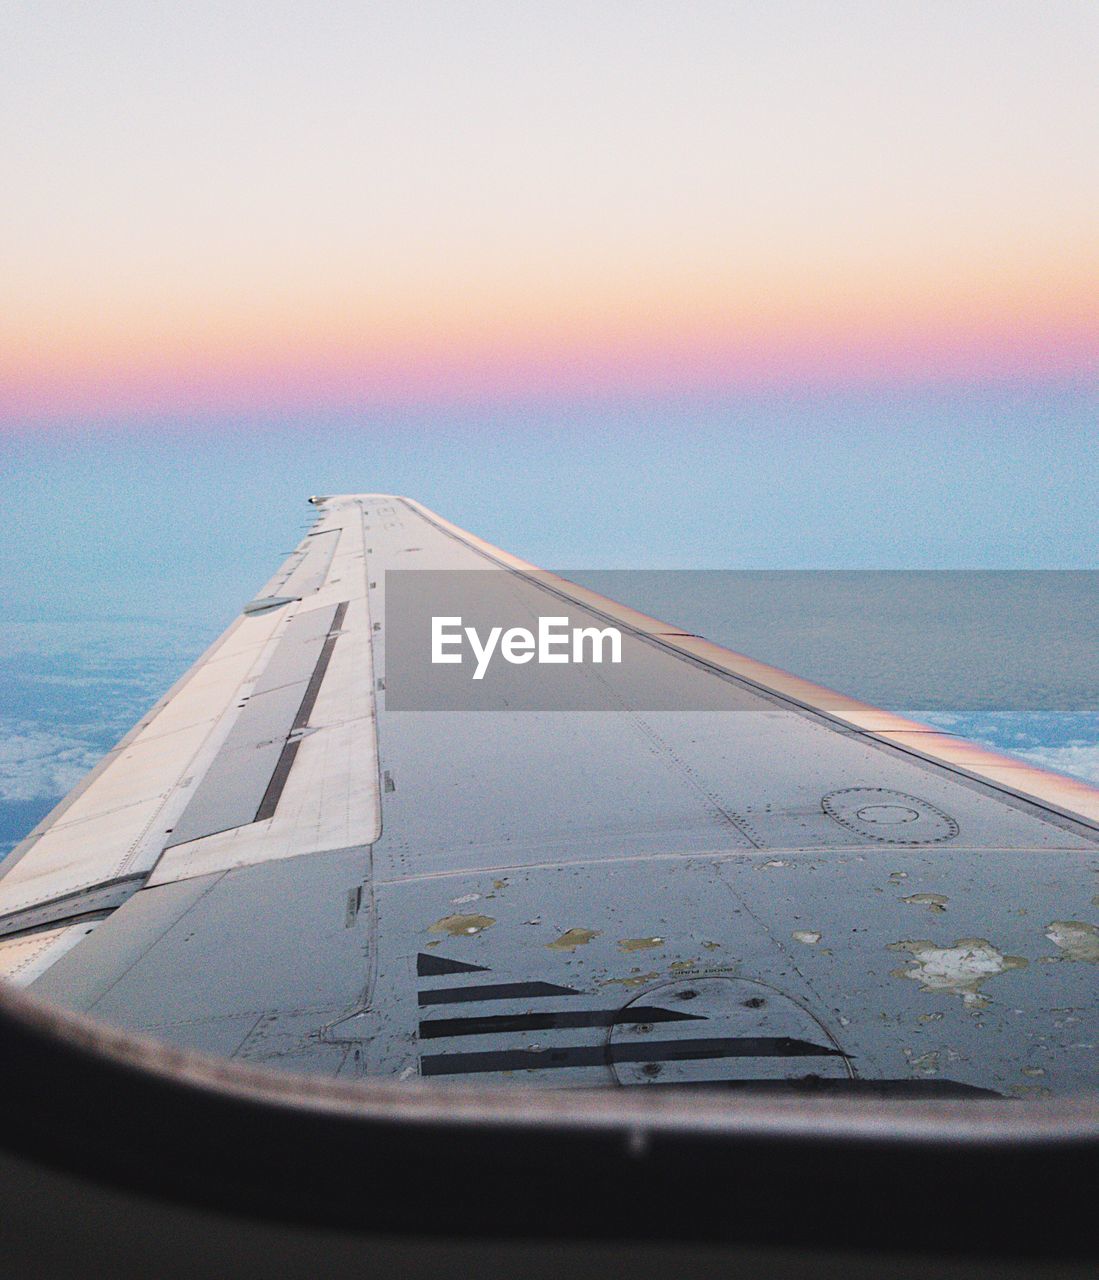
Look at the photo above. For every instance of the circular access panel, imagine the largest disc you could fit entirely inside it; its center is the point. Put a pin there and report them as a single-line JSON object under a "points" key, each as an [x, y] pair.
{"points": [[889, 816], [713, 1030]]}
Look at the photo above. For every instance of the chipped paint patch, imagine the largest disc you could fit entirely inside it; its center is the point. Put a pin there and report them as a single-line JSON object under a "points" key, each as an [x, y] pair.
{"points": [[683, 966], [461, 926], [773, 862], [466, 897], [639, 981], [809, 936], [1033, 1071], [1077, 940], [500, 884], [927, 1064], [711, 946], [932, 901], [571, 939], [639, 944], [958, 970]]}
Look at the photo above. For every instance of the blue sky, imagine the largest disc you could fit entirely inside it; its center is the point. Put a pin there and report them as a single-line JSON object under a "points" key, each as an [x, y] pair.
{"points": [[183, 519]]}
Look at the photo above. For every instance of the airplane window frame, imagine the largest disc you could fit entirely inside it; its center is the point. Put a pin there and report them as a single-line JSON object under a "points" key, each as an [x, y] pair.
{"points": [[999, 1177]]}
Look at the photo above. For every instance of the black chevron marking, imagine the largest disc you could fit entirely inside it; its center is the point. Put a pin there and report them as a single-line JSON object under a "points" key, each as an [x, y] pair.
{"points": [[448, 1064], [431, 966], [498, 1023], [495, 991]]}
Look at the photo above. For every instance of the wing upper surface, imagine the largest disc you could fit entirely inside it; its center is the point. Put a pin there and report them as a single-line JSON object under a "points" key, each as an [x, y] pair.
{"points": [[275, 860]]}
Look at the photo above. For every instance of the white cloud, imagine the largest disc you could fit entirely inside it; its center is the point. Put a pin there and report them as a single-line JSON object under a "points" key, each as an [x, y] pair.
{"points": [[1078, 761], [38, 765]]}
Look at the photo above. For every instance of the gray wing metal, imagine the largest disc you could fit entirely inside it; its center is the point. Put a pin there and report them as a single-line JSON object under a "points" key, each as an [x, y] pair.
{"points": [[788, 889]]}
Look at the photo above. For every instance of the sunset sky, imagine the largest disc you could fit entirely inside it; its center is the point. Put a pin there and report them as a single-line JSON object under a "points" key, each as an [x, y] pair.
{"points": [[573, 250]]}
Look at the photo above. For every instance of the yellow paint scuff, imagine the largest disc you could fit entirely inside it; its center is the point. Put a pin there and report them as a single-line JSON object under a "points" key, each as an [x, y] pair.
{"points": [[932, 901], [639, 981], [461, 926], [1077, 940], [572, 939]]}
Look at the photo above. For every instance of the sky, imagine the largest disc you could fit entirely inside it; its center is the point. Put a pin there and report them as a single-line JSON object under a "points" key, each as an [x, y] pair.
{"points": [[696, 284]]}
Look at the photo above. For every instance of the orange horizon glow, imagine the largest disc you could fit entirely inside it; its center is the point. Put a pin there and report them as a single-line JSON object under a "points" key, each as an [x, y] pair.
{"points": [[327, 366], [700, 334], [440, 211]]}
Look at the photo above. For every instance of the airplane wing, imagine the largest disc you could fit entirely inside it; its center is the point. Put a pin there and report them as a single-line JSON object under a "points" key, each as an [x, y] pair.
{"points": [[706, 871]]}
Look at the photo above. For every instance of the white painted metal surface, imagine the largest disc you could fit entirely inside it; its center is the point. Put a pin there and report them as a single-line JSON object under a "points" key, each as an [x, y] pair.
{"points": [[489, 895], [120, 821]]}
